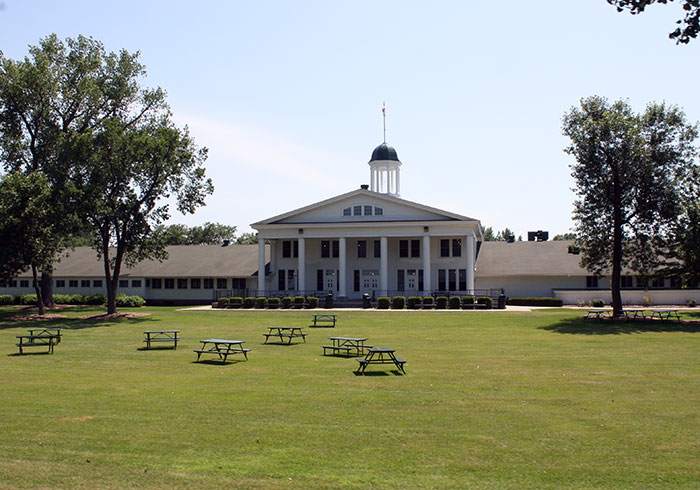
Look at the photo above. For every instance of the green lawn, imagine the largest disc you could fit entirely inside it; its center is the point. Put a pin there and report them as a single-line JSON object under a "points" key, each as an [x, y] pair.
{"points": [[490, 400]]}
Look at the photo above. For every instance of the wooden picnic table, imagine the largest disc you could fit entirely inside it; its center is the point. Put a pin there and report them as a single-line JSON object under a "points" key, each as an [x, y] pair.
{"points": [[324, 320], [40, 331], [162, 336], [665, 314], [284, 334], [45, 340], [222, 348], [380, 355], [598, 314], [634, 313], [346, 346]]}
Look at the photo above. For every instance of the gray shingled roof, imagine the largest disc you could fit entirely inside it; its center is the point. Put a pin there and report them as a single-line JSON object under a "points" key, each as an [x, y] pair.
{"points": [[528, 259], [183, 261]]}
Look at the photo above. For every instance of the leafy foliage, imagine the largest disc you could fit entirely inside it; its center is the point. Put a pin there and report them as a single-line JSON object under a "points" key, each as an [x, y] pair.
{"points": [[688, 27], [207, 234]]}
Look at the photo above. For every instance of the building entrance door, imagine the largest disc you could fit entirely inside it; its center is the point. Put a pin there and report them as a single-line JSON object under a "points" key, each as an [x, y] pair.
{"points": [[370, 281], [331, 280], [411, 282]]}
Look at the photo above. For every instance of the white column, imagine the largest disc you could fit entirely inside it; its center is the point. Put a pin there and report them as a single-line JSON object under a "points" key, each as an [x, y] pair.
{"points": [[342, 264], [261, 265], [427, 285], [371, 179], [398, 182], [471, 257], [273, 257], [301, 268], [384, 266]]}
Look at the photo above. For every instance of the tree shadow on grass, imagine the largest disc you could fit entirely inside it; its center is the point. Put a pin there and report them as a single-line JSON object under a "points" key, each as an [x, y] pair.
{"points": [[7, 321], [620, 327]]}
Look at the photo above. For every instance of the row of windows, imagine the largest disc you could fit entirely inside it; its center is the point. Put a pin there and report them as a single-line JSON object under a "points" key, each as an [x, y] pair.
{"points": [[642, 282], [60, 283], [445, 248], [195, 283], [407, 248], [363, 210]]}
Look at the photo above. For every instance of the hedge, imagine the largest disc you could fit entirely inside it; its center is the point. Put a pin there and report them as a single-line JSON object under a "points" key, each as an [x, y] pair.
{"points": [[312, 301], [398, 302], [441, 302], [273, 303], [286, 302], [468, 300], [25, 299], [383, 303], [124, 301], [428, 302], [248, 302], [485, 300], [414, 302], [455, 302], [6, 299], [260, 302], [234, 302], [544, 301], [299, 301]]}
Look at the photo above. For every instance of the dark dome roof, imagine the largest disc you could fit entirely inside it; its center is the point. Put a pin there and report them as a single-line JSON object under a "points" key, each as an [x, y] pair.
{"points": [[384, 152]]}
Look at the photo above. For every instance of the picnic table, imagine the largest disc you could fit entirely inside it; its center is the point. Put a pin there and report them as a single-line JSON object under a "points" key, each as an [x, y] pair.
{"points": [[634, 313], [665, 314], [45, 340], [222, 348], [324, 320], [162, 336], [346, 346], [285, 334], [380, 355], [598, 314], [42, 331]]}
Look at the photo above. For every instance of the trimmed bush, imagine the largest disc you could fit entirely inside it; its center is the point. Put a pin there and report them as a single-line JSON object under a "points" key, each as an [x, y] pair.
{"points": [[299, 302], [428, 302], [234, 302], [124, 301], [95, 299], [468, 300], [383, 303], [441, 302], [599, 303], [485, 300], [61, 299], [6, 299], [222, 302], [286, 302], [455, 302], [545, 301], [414, 302], [273, 303], [26, 299], [398, 302], [312, 301], [248, 302], [260, 302]]}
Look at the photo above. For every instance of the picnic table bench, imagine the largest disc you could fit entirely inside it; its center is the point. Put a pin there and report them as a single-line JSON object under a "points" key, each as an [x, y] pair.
{"points": [[222, 348], [45, 340], [284, 334], [598, 314], [665, 314], [324, 320], [380, 355], [346, 346], [162, 336]]}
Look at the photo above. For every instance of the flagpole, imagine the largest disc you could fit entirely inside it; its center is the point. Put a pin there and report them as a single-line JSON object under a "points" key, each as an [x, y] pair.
{"points": [[384, 119]]}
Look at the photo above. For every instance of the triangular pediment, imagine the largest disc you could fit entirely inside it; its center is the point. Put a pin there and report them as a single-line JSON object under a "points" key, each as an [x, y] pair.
{"points": [[363, 205]]}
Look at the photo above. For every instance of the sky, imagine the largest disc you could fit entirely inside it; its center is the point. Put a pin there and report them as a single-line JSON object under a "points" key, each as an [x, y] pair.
{"points": [[287, 96]]}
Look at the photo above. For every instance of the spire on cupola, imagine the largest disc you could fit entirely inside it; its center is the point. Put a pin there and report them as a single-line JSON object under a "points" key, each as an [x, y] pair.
{"points": [[385, 167]]}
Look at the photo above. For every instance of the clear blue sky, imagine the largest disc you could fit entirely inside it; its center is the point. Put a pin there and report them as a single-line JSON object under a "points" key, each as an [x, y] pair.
{"points": [[287, 95]]}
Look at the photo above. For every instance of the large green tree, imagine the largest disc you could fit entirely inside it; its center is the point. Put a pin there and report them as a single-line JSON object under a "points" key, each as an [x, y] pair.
{"points": [[62, 89], [688, 27], [633, 172], [207, 234]]}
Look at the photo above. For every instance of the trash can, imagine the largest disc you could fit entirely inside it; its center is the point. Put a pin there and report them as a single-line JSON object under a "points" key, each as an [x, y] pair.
{"points": [[502, 302], [329, 300], [365, 301]]}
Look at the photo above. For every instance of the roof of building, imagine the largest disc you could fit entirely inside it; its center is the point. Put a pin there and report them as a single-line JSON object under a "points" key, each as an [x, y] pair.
{"points": [[551, 258], [182, 261], [384, 152]]}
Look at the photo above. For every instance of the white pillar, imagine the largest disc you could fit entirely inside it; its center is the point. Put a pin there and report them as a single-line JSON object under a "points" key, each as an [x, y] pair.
{"points": [[261, 265], [384, 266], [398, 182], [427, 285], [342, 247], [471, 258], [371, 179], [301, 280]]}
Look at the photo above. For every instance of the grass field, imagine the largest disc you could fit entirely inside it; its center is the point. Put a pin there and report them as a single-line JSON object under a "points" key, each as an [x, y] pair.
{"points": [[490, 400]]}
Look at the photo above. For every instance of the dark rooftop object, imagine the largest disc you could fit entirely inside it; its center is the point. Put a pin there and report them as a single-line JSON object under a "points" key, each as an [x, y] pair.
{"points": [[384, 152], [364, 186]]}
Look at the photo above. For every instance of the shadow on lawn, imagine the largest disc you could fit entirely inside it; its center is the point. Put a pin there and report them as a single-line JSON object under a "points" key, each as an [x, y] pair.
{"points": [[7, 321], [619, 327]]}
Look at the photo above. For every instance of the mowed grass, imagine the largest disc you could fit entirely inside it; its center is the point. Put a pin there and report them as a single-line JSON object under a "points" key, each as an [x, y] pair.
{"points": [[490, 400]]}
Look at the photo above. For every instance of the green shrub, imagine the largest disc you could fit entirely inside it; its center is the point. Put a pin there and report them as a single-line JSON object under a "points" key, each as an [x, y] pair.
{"points": [[273, 303], [95, 299], [76, 299], [468, 300], [428, 302], [124, 301], [235, 302], [26, 299], [286, 302], [691, 303], [383, 303], [248, 302], [6, 299], [485, 300], [648, 301], [299, 302], [398, 302], [441, 302], [222, 302], [312, 301], [598, 303], [61, 299], [455, 302], [545, 301], [260, 302], [414, 302]]}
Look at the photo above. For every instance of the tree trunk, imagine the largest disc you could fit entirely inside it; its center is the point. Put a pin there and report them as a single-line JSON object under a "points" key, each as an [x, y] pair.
{"points": [[47, 287], [37, 288], [617, 246]]}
